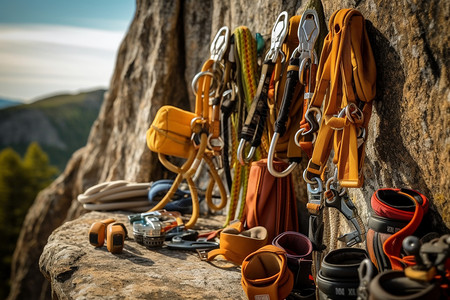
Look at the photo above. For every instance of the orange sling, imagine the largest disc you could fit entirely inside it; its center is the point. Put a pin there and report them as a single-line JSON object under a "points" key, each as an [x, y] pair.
{"points": [[345, 86]]}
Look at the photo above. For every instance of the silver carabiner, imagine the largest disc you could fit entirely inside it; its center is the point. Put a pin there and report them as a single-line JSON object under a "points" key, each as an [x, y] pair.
{"points": [[240, 153], [312, 121], [272, 171], [220, 44], [307, 32], [279, 32]]}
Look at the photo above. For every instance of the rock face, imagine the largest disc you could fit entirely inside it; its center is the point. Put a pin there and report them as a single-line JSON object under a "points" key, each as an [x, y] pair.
{"points": [[166, 44]]}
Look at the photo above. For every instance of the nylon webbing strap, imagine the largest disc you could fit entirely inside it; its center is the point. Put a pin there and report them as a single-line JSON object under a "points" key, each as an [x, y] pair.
{"points": [[254, 125], [346, 81]]}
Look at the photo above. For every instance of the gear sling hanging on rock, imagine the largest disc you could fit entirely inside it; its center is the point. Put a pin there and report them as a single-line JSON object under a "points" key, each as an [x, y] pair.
{"points": [[289, 91], [346, 80], [188, 135]]}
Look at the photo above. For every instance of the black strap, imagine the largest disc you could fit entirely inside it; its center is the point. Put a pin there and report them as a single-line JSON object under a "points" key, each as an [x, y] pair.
{"points": [[291, 82], [254, 123]]}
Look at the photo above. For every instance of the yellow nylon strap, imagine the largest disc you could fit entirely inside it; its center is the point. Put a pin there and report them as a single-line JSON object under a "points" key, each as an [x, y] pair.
{"points": [[346, 62]]}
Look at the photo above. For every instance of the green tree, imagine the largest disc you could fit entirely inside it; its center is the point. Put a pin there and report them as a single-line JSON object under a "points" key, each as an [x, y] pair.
{"points": [[20, 182]]}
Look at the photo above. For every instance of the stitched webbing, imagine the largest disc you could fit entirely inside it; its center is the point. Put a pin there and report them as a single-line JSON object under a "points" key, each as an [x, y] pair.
{"points": [[345, 78]]}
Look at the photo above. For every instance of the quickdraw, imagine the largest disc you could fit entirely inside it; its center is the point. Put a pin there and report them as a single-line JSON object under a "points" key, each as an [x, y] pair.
{"points": [[298, 82], [254, 125]]}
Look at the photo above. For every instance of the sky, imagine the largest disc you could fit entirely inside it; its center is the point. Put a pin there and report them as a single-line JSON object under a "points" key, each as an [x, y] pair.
{"points": [[49, 47]]}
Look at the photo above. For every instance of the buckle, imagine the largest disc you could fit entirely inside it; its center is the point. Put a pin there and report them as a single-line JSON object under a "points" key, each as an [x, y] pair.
{"points": [[203, 253]]}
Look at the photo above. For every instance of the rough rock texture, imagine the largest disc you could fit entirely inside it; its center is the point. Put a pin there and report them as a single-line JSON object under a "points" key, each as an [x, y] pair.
{"points": [[78, 270], [164, 48]]}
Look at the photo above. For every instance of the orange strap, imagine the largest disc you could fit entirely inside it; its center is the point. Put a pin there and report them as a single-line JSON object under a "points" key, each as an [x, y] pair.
{"points": [[346, 82], [393, 245]]}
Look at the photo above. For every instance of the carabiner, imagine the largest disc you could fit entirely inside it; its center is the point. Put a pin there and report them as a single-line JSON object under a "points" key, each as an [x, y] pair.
{"points": [[308, 31], [297, 137], [345, 205], [217, 147], [272, 171], [220, 44], [312, 120], [240, 153], [279, 32]]}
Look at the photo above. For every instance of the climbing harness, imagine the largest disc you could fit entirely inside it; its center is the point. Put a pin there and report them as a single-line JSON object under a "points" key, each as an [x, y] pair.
{"points": [[345, 86], [254, 125], [298, 83]]}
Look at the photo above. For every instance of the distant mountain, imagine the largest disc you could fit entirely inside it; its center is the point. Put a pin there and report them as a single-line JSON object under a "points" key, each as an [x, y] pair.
{"points": [[8, 103], [59, 124]]}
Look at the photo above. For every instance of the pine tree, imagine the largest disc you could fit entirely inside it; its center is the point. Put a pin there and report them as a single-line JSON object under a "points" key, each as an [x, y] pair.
{"points": [[20, 182]]}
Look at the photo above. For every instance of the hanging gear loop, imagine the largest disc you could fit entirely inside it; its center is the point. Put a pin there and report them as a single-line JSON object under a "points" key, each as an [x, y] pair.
{"points": [[255, 122], [345, 88], [303, 55]]}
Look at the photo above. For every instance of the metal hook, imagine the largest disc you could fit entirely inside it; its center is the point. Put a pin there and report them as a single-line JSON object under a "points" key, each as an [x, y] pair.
{"points": [[345, 205], [307, 32], [272, 171], [279, 32], [240, 153], [220, 44], [313, 120], [215, 147]]}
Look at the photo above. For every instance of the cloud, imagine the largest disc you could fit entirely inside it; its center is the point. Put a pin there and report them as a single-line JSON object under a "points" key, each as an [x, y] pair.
{"points": [[41, 59]]}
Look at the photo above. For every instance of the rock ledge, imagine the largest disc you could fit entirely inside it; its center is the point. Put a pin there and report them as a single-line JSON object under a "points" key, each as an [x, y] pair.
{"points": [[77, 270]]}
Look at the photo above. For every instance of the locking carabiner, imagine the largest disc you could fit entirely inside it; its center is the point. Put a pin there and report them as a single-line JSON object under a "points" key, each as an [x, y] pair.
{"points": [[279, 32]]}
